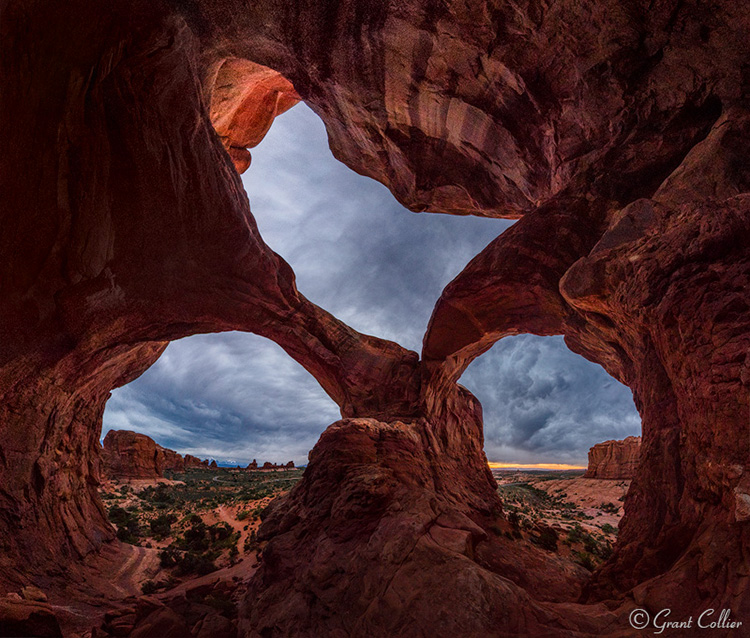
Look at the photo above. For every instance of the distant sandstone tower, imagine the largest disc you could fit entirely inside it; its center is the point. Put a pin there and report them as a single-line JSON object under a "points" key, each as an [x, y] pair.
{"points": [[614, 459], [132, 455]]}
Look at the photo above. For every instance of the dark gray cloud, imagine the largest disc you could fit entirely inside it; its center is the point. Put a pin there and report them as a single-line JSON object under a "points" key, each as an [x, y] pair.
{"points": [[543, 403], [380, 268], [230, 396], [356, 251]]}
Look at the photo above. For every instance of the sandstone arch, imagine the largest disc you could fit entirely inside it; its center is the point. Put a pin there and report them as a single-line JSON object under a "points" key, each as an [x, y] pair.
{"points": [[619, 138]]}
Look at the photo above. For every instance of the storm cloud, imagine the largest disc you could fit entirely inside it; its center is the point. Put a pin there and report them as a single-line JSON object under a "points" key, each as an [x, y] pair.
{"points": [[380, 268], [543, 403]]}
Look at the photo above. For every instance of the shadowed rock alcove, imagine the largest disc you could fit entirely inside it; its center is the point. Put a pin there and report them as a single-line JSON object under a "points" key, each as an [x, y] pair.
{"points": [[617, 133]]}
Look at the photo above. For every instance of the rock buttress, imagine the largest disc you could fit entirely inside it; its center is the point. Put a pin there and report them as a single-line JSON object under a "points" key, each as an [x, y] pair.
{"points": [[614, 459]]}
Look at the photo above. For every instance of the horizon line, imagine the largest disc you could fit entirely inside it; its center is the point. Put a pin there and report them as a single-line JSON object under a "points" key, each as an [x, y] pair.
{"points": [[497, 465]]}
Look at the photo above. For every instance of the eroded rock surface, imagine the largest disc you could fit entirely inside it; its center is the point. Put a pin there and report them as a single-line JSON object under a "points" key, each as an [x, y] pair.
{"points": [[132, 455], [616, 130], [614, 459], [429, 551]]}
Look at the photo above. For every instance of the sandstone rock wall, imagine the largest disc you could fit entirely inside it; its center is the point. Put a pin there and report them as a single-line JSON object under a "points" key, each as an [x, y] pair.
{"points": [[131, 455], [616, 130], [170, 460], [192, 463], [614, 459]]}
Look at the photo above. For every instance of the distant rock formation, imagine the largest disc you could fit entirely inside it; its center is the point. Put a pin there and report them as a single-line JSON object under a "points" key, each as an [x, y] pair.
{"points": [[170, 460], [132, 455], [614, 459], [273, 466], [194, 463]]}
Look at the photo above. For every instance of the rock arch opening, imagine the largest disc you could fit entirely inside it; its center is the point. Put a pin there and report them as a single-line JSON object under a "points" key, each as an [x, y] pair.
{"points": [[546, 404], [355, 250], [618, 138], [232, 397], [547, 413]]}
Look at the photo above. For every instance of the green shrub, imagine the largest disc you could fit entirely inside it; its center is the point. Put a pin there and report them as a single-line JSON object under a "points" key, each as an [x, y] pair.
{"points": [[161, 526], [196, 537], [219, 532], [128, 529], [547, 539], [193, 563], [590, 545], [576, 533], [168, 557], [605, 551], [584, 559], [119, 516]]}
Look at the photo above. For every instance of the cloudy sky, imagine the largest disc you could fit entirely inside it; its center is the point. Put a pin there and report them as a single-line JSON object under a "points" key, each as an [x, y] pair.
{"points": [[380, 268]]}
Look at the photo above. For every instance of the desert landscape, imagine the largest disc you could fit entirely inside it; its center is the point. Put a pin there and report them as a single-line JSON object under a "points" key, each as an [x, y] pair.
{"points": [[190, 535], [571, 513], [194, 536], [614, 133]]}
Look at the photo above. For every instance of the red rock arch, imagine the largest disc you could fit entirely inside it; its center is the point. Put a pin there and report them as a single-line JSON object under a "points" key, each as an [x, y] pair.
{"points": [[619, 138]]}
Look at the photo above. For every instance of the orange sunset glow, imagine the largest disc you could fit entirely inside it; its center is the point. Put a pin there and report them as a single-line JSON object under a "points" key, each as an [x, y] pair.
{"points": [[534, 466]]}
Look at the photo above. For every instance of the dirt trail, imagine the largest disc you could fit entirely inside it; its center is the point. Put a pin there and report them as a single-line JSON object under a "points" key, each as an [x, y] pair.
{"points": [[140, 565], [230, 517]]}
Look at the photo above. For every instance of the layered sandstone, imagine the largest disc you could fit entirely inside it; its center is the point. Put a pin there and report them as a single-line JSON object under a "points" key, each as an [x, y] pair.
{"points": [[194, 463], [617, 131], [614, 459], [245, 100], [272, 466], [131, 455]]}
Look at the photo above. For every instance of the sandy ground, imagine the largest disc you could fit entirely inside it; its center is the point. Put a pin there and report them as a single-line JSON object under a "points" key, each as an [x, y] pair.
{"points": [[228, 514], [588, 495], [109, 579], [138, 484]]}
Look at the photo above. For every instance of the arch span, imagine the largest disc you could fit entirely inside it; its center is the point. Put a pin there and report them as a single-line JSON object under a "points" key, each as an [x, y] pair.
{"points": [[619, 138]]}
